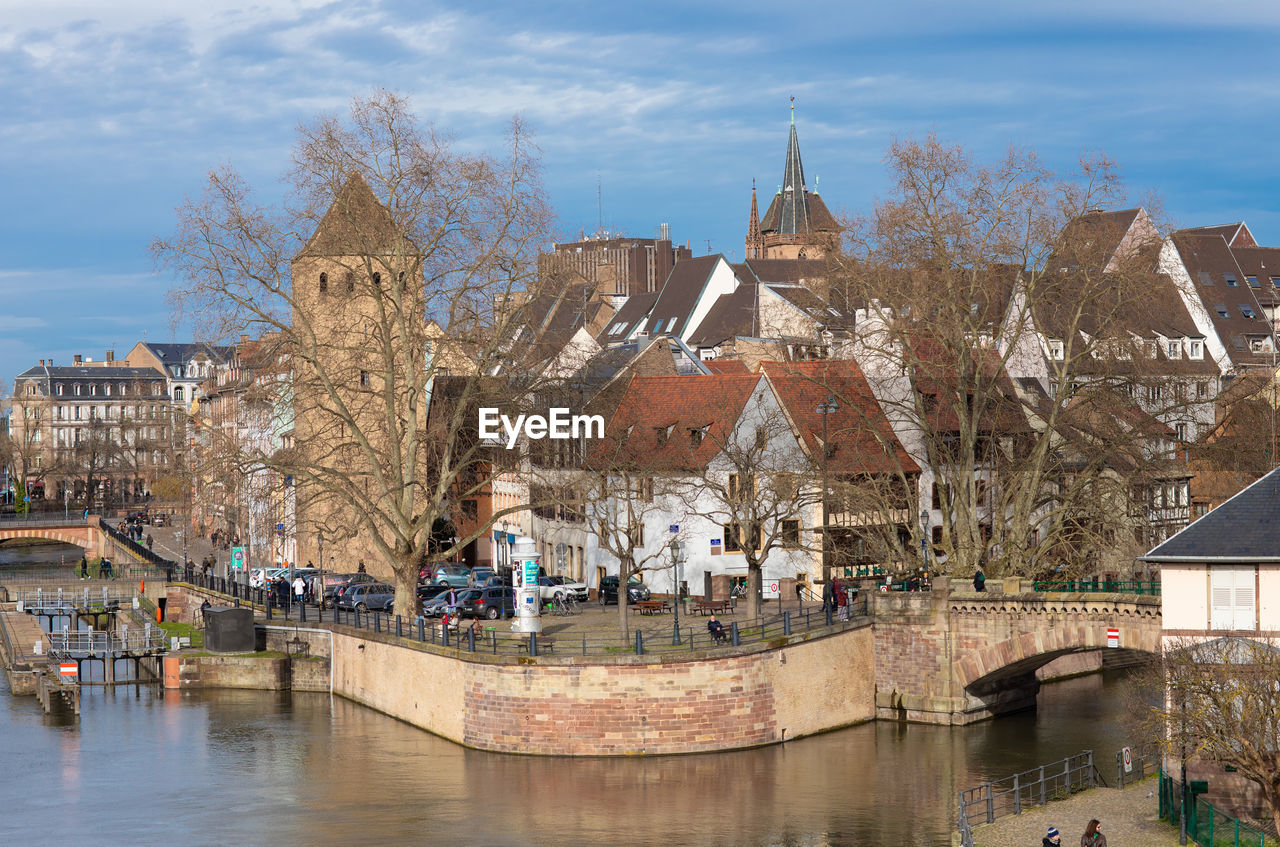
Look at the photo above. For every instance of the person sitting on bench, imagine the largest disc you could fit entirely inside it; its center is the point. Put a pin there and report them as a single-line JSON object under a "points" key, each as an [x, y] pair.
{"points": [[717, 630]]}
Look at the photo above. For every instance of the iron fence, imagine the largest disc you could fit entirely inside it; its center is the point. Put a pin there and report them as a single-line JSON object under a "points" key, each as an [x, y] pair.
{"points": [[9, 521], [91, 599], [1206, 825], [80, 643], [1036, 787], [1099, 586]]}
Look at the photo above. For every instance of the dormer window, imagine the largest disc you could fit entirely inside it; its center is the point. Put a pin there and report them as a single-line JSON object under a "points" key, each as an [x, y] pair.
{"points": [[1056, 349], [1231, 280], [1247, 311], [1173, 349], [1195, 349], [1221, 310], [58, 389], [1253, 281], [77, 389]]}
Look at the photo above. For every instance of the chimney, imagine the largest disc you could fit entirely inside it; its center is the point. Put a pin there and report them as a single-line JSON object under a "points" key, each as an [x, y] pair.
{"points": [[42, 363], [111, 355], [76, 358], [244, 338]]}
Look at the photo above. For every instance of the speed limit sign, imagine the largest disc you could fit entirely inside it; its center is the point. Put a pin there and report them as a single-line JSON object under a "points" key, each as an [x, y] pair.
{"points": [[772, 588]]}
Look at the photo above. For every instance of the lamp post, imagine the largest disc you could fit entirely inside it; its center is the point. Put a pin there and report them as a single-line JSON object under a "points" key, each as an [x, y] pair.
{"points": [[924, 536], [825, 408], [677, 559]]}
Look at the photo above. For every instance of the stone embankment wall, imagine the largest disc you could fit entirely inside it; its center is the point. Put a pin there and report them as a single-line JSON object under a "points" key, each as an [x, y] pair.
{"points": [[616, 705]]}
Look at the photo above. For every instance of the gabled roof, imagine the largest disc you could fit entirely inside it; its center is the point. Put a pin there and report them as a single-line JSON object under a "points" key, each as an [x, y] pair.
{"points": [[628, 318], [356, 224], [812, 305], [1236, 234], [673, 423], [1220, 283], [1263, 264], [731, 315], [174, 354], [726, 366], [1245, 529], [680, 294], [1093, 240], [859, 437]]}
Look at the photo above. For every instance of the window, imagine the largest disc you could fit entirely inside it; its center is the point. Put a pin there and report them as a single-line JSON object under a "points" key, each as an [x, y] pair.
{"points": [[762, 438], [77, 389], [1258, 344], [696, 434], [1182, 431], [790, 533], [644, 489], [1056, 349], [1247, 311], [351, 282], [324, 283], [58, 390], [1275, 282], [377, 279], [618, 327], [1253, 281], [179, 393], [1205, 279], [93, 390], [1154, 393], [1221, 310], [1231, 280], [937, 496], [636, 534], [1195, 349], [469, 510], [1232, 597], [732, 539], [740, 487], [364, 379], [1173, 349]]}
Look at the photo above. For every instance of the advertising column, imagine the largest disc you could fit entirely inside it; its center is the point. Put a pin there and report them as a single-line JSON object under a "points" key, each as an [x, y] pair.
{"points": [[524, 576]]}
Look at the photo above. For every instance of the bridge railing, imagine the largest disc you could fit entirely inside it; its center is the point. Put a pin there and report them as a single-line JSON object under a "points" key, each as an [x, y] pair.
{"points": [[42, 522], [1099, 586], [92, 599], [1036, 787]]}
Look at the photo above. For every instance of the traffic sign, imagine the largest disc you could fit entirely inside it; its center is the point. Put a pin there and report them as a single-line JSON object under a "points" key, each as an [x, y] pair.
{"points": [[1113, 637], [68, 669], [675, 527], [772, 587], [1128, 760]]}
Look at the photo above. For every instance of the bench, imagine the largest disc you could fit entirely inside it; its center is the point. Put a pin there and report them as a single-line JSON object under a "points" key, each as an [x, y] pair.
{"points": [[713, 607], [719, 637], [545, 645], [651, 607]]}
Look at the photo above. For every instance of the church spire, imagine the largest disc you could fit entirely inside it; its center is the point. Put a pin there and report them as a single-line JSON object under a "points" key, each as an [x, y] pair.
{"points": [[794, 217], [755, 242]]}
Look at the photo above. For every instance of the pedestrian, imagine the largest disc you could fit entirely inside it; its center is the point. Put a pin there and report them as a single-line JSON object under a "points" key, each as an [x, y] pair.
{"points": [[84, 567], [979, 581], [1093, 836], [1052, 839], [361, 568], [826, 596], [299, 588], [842, 601], [799, 591], [150, 541]]}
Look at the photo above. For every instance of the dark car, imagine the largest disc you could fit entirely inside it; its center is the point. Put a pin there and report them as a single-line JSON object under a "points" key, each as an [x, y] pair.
{"points": [[366, 596], [431, 592], [494, 602], [636, 590], [334, 582]]}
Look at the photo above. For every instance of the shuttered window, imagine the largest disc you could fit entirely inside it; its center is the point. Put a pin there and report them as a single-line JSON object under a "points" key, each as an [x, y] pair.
{"points": [[1233, 598]]}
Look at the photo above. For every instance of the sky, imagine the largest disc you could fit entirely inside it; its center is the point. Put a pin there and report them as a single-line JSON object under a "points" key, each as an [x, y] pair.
{"points": [[112, 113]]}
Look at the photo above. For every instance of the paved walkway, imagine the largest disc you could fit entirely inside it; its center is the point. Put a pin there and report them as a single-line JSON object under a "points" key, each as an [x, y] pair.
{"points": [[1128, 819]]}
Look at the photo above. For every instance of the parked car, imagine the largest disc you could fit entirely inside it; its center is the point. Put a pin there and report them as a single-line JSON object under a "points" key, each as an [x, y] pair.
{"points": [[452, 574], [636, 590], [550, 586], [438, 606], [431, 592], [480, 576], [335, 581], [367, 595], [492, 603]]}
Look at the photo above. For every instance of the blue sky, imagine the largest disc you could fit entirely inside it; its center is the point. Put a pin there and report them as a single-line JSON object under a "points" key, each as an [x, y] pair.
{"points": [[113, 112]]}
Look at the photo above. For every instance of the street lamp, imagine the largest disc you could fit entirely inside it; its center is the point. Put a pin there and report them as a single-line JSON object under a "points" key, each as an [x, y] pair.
{"points": [[677, 559], [924, 536], [826, 408]]}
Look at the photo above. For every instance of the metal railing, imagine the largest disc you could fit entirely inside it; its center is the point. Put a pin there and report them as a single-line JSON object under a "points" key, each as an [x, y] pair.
{"points": [[1099, 586], [1036, 787], [146, 639], [91, 599], [42, 522], [137, 549], [1144, 760]]}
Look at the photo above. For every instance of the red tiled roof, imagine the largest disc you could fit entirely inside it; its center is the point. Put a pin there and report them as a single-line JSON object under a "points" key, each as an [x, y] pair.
{"points": [[860, 439], [726, 366], [666, 423]]}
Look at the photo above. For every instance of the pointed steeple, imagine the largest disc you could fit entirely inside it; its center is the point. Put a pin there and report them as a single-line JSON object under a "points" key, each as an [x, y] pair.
{"points": [[755, 242], [794, 217]]}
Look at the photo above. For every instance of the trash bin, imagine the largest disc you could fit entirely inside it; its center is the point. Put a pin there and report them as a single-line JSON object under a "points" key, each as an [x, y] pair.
{"points": [[229, 629]]}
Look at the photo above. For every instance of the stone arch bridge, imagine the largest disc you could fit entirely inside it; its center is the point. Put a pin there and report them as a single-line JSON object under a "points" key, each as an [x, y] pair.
{"points": [[953, 657], [82, 532]]}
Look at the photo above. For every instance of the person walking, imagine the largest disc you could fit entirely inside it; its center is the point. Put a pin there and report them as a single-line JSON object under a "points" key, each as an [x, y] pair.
{"points": [[1053, 839], [84, 567], [842, 601], [1093, 836], [150, 541], [826, 596], [299, 588], [979, 581]]}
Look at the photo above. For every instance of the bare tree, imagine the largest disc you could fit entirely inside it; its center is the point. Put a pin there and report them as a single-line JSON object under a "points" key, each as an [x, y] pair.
{"points": [[379, 275], [1222, 708], [997, 309]]}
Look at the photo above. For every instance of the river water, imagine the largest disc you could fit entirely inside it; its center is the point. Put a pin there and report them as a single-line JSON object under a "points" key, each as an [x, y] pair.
{"points": [[145, 766]]}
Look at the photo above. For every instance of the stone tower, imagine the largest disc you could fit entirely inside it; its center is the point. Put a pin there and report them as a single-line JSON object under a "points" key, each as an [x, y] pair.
{"points": [[755, 242]]}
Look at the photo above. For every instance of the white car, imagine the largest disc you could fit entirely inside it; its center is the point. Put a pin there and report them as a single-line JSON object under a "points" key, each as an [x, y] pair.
{"points": [[550, 586]]}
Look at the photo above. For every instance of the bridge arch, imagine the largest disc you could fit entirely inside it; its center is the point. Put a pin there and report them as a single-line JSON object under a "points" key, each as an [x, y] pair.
{"points": [[86, 536]]}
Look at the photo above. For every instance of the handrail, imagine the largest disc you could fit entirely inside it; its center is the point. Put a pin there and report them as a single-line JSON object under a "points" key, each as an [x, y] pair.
{"points": [[1035, 787]]}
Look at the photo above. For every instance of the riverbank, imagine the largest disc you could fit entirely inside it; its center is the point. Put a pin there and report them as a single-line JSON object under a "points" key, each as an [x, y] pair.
{"points": [[1128, 817]]}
